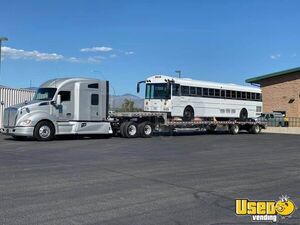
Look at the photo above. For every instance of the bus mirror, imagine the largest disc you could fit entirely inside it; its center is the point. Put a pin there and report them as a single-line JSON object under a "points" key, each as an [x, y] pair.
{"points": [[58, 100], [138, 86]]}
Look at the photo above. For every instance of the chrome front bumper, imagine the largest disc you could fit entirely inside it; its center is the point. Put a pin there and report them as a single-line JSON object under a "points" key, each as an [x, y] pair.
{"points": [[18, 131]]}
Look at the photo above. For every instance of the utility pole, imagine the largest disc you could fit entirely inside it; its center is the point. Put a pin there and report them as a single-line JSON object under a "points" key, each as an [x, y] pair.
{"points": [[1, 40]]}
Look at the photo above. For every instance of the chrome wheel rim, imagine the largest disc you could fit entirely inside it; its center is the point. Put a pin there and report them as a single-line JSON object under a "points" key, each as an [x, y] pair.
{"points": [[131, 130], [44, 132], [147, 129]]}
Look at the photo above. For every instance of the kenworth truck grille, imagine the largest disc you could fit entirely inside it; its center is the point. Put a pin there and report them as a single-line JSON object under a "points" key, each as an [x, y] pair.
{"points": [[10, 117]]}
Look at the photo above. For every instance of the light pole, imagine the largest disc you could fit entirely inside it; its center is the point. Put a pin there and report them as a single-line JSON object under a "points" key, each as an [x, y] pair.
{"points": [[179, 73], [1, 40]]}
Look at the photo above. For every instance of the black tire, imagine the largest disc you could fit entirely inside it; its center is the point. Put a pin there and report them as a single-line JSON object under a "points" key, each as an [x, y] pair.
{"points": [[243, 115], [211, 129], [255, 129], [122, 129], [130, 130], [44, 131], [188, 114], [145, 129], [234, 129]]}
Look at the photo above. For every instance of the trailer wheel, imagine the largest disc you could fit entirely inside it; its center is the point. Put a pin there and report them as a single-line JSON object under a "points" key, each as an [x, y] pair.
{"points": [[211, 129], [255, 129], [234, 129], [130, 129], [122, 129], [44, 131], [145, 129]]}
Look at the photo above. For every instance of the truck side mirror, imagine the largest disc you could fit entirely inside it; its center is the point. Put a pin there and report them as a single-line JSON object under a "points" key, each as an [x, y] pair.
{"points": [[58, 100], [2, 103]]}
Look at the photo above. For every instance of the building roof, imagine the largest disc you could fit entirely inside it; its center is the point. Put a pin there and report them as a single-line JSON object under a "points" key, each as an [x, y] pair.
{"points": [[256, 80]]}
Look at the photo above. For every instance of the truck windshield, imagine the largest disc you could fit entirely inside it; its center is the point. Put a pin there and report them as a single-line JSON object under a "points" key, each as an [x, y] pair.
{"points": [[45, 94], [157, 91]]}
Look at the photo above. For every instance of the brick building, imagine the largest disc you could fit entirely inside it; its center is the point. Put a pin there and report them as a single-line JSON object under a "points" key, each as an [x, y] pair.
{"points": [[280, 91]]}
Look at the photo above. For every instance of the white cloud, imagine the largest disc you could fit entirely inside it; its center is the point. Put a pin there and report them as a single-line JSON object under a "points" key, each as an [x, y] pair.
{"points": [[95, 59], [275, 56], [36, 55], [129, 53], [97, 49], [112, 56]]}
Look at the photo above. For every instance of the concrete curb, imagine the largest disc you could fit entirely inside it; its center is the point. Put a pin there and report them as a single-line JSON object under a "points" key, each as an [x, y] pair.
{"points": [[282, 130]]}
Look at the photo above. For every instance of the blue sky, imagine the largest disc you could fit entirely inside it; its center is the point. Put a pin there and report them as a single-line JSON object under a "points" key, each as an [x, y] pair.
{"points": [[127, 41]]}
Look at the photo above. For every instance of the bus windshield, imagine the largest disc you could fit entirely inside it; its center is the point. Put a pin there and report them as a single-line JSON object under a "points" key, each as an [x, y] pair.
{"points": [[157, 91], [44, 94]]}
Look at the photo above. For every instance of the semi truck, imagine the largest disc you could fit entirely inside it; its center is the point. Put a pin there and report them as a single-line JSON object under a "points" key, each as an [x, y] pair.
{"points": [[80, 106]]}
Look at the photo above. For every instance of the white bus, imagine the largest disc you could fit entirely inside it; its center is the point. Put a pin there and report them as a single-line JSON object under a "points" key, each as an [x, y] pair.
{"points": [[187, 98]]}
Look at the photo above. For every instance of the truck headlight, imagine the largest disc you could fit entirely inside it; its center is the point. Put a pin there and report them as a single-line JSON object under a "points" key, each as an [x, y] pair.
{"points": [[25, 123]]}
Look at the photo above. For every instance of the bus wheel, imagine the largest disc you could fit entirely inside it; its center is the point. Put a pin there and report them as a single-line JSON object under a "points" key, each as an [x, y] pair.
{"points": [[234, 129], [243, 114], [44, 131], [188, 114], [145, 129], [130, 129], [255, 129]]}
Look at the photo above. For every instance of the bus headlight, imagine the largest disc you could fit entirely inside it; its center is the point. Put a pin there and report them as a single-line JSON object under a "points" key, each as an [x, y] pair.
{"points": [[25, 123]]}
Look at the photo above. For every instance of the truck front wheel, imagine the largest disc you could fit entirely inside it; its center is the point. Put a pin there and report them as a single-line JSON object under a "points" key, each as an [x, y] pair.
{"points": [[44, 131]]}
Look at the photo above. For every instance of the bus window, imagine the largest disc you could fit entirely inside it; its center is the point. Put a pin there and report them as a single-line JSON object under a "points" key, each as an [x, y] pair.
{"points": [[212, 92], [248, 95], [192, 90], [233, 93], [258, 96], [223, 93], [157, 91], [238, 95], [205, 91], [228, 94], [199, 91], [243, 95], [253, 96], [217, 92], [185, 90], [175, 89]]}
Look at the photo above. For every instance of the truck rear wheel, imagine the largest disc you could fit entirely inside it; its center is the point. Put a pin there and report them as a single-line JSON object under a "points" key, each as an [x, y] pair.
{"points": [[44, 131], [130, 130], [145, 129], [234, 129]]}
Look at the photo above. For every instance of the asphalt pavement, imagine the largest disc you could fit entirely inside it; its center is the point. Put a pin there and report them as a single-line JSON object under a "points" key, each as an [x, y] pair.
{"points": [[188, 179]]}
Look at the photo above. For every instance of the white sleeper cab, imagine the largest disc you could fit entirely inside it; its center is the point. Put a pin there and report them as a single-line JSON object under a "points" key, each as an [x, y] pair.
{"points": [[187, 98], [61, 106]]}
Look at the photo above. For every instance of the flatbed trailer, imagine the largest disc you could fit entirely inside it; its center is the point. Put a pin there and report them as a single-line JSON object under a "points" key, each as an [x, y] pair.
{"points": [[143, 124]]}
